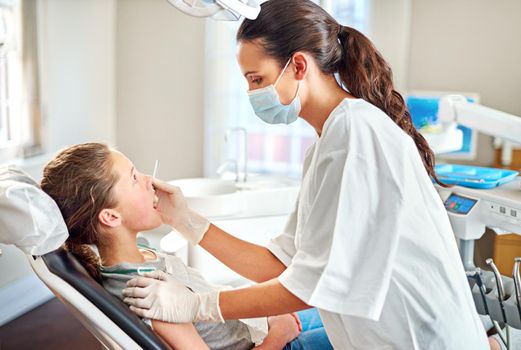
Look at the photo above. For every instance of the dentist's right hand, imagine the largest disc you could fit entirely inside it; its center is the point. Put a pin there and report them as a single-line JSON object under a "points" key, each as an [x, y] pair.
{"points": [[176, 213], [160, 296]]}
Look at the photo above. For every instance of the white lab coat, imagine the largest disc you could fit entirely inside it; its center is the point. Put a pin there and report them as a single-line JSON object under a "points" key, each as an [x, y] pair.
{"points": [[370, 245]]}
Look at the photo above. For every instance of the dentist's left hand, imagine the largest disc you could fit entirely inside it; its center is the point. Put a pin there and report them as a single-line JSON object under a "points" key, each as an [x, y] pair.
{"points": [[161, 297], [176, 213]]}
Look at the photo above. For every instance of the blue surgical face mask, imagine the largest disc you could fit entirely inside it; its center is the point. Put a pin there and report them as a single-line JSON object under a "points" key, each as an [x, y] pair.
{"points": [[267, 106]]}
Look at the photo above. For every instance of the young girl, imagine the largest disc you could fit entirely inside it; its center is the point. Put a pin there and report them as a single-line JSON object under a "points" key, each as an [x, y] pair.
{"points": [[106, 202]]}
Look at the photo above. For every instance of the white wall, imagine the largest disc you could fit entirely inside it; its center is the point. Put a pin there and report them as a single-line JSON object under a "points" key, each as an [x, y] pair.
{"points": [[160, 87], [469, 45], [78, 71], [389, 28], [77, 53]]}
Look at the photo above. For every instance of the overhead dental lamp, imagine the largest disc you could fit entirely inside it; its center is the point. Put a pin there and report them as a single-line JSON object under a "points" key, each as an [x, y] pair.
{"points": [[222, 10]]}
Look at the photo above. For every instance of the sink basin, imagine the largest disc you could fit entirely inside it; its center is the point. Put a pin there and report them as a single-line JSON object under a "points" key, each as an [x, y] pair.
{"points": [[204, 187], [210, 197], [259, 196]]}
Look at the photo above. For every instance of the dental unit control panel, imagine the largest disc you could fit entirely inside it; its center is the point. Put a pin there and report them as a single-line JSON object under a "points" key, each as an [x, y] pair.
{"points": [[472, 210]]}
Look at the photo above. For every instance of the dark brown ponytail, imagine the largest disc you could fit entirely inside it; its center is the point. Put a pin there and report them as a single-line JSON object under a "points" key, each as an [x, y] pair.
{"points": [[365, 74], [336, 49], [88, 258], [80, 180]]}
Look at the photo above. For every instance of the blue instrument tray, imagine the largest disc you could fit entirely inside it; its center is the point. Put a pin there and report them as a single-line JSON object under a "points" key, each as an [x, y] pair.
{"points": [[472, 176]]}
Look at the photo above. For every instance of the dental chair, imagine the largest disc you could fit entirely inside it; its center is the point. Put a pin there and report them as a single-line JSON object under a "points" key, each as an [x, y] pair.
{"points": [[105, 316], [31, 220]]}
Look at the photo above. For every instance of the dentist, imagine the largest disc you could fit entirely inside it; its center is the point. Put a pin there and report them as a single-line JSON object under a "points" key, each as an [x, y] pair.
{"points": [[369, 243]]}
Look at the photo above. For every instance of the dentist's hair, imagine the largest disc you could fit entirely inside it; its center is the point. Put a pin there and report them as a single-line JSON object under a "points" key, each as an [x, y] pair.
{"points": [[80, 180], [284, 27]]}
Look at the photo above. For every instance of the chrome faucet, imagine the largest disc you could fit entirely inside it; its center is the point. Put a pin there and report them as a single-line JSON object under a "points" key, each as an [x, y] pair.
{"points": [[245, 150], [222, 168]]}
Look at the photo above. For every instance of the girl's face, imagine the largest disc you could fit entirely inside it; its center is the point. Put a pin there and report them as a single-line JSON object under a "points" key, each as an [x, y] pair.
{"points": [[260, 70], [135, 196]]}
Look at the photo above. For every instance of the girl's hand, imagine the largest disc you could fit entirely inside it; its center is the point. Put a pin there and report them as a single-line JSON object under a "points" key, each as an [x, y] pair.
{"points": [[282, 330]]}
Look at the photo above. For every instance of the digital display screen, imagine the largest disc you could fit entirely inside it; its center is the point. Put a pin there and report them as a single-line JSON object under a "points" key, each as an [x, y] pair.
{"points": [[459, 204]]}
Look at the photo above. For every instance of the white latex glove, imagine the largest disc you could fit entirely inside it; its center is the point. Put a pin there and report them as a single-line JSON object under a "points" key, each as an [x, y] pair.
{"points": [[176, 213], [160, 296]]}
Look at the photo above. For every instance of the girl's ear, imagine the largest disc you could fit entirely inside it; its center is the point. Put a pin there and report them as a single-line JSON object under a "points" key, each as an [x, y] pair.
{"points": [[110, 218]]}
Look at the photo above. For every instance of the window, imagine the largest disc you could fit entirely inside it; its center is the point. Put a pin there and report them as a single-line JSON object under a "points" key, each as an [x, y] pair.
{"points": [[19, 107], [275, 149], [10, 125]]}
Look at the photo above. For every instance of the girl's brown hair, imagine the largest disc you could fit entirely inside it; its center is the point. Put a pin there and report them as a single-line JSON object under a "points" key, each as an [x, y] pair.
{"points": [[80, 180], [287, 26]]}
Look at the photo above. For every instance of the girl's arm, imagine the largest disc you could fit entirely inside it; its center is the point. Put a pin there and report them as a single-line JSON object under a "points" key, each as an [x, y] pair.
{"points": [[179, 335]]}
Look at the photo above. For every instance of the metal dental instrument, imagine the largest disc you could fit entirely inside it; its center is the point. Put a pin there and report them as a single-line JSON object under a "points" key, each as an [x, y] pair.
{"points": [[500, 287], [517, 284], [501, 298], [154, 173], [156, 167], [476, 276]]}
